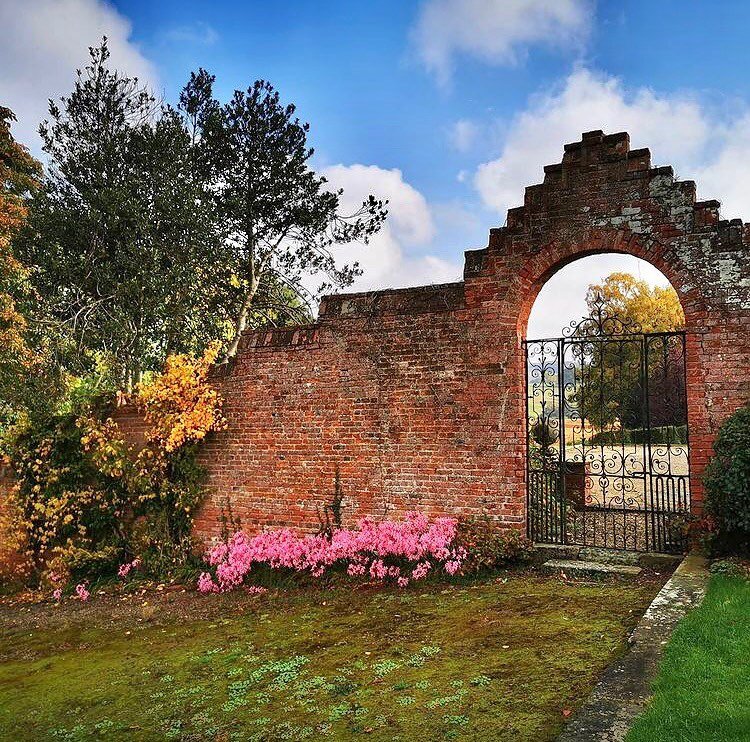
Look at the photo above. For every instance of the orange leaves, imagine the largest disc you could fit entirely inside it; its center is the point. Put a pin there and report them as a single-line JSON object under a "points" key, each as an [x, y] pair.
{"points": [[84, 483], [178, 404]]}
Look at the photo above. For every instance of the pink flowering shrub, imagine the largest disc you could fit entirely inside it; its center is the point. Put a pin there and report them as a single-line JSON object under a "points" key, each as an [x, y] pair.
{"points": [[126, 568], [398, 551], [82, 592]]}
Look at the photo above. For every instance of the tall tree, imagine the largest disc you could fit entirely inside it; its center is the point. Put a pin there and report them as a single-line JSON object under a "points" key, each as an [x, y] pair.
{"points": [[651, 308], [19, 179], [280, 219], [122, 237], [613, 381]]}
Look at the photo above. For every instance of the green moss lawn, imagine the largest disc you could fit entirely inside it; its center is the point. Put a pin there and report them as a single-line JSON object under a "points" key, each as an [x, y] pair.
{"points": [[493, 659], [702, 693]]}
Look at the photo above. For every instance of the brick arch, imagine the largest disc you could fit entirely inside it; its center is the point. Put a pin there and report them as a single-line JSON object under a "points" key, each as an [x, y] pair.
{"points": [[605, 197], [541, 267]]}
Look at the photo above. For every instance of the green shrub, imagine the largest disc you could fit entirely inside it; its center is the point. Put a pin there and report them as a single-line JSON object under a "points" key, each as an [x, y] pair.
{"points": [[489, 546], [667, 434], [727, 480], [728, 567], [88, 500], [93, 564]]}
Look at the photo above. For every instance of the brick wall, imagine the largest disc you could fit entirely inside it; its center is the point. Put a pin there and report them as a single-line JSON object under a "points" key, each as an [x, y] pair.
{"points": [[416, 396]]}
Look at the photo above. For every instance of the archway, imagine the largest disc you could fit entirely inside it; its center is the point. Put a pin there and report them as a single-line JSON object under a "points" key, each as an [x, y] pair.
{"points": [[605, 197], [607, 455], [418, 397]]}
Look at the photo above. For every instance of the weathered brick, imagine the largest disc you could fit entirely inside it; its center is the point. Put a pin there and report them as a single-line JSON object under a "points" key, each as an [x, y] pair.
{"points": [[415, 396]]}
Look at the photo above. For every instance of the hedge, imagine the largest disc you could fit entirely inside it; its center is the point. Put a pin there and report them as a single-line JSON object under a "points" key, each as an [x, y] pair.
{"points": [[673, 434]]}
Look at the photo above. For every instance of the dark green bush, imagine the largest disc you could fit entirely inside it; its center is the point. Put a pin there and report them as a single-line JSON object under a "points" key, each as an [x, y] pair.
{"points": [[729, 567], [667, 434], [727, 480], [488, 546]]}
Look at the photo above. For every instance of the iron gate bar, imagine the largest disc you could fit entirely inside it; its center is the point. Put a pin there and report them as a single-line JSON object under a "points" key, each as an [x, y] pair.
{"points": [[641, 497]]}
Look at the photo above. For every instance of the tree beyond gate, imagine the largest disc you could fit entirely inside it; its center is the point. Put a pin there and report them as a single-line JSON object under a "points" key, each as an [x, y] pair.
{"points": [[415, 398]]}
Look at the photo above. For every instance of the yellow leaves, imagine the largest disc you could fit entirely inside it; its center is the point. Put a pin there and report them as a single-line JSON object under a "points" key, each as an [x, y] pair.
{"points": [[70, 496], [653, 308], [179, 405]]}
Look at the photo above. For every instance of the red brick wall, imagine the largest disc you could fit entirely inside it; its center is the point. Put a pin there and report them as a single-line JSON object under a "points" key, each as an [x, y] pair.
{"points": [[416, 396]]}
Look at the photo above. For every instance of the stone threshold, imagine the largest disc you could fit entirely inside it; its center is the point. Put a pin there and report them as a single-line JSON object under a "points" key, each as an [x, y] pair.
{"points": [[645, 559], [625, 687], [585, 568]]}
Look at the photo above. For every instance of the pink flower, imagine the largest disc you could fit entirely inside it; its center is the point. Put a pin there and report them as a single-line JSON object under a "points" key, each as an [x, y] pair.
{"points": [[256, 590], [452, 566], [370, 548], [57, 594], [82, 593], [206, 584], [378, 570], [420, 570], [126, 568], [403, 581]]}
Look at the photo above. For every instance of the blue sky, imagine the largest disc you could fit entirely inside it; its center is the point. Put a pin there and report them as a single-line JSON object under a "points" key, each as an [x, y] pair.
{"points": [[447, 107]]}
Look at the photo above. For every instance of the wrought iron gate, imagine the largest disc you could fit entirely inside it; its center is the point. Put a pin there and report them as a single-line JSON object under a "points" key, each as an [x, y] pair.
{"points": [[606, 433]]}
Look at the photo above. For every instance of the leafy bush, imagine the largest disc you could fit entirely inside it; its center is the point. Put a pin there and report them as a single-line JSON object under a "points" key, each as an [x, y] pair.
{"points": [[729, 567], [87, 499], [727, 480], [667, 434], [488, 546]]}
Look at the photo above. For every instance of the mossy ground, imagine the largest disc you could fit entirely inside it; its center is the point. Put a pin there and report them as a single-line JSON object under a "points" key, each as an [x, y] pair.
{"points": [[495, 659]]}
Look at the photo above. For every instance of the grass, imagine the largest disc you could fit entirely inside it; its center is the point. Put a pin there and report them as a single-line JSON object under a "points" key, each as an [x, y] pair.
{"points": [[702, 692], [489, 659]]}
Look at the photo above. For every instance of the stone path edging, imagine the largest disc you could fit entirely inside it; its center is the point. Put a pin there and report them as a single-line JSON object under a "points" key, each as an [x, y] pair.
{"points": [[625, 688]]}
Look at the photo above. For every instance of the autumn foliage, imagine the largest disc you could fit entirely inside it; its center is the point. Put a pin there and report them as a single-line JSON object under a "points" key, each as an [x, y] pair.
{"points": [[650, 308], [19, 178], [86, 498], [179, 406]]}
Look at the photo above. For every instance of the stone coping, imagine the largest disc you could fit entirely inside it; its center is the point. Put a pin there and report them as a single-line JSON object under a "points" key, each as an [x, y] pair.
{"points": [[625, 687]]}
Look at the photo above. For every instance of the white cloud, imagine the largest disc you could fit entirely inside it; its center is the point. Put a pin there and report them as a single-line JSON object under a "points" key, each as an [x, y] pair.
{"points": [[44, 42], [463, 134], [495, 31], [563, 298], [398, 255], [726, 174], [198, 33], [699, 142], [676, 129]]}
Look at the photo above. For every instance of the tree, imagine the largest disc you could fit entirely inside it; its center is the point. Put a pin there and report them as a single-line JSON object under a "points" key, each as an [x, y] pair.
{"points": [[611, 386], [19, 179], [280, 221], [639, 304], [122, 237]]}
